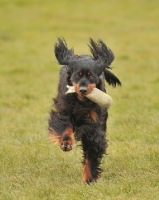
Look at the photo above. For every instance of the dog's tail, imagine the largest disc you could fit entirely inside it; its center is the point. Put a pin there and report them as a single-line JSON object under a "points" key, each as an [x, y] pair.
{"points": [[111, 78]]}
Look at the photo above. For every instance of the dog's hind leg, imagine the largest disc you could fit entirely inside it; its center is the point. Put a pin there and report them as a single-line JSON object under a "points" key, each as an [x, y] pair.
{"points": [[61, 131], [93, 152]]}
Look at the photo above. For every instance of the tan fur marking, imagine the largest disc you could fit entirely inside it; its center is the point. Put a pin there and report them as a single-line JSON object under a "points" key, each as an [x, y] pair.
{"points": [[76, 86], [93, 115], [80, 73], [87, 173], [88, 73], [57, 138], [90, 87], [70, 133], [54, 137]]}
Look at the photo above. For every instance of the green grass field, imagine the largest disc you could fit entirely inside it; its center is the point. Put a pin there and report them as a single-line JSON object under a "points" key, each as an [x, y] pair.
{"points": [[31, 167]]}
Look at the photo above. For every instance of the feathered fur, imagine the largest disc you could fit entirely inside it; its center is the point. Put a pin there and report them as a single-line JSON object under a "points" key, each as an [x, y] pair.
{"points": [[62, 53], [75, 116], [101, 53]]}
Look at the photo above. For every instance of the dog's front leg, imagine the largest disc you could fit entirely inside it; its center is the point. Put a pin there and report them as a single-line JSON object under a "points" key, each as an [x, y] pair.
{"points": [[67, 139], [61, 131]]}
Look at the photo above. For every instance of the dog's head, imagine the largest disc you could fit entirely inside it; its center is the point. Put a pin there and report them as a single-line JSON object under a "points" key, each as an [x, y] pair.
{"points": [[85, 70]]}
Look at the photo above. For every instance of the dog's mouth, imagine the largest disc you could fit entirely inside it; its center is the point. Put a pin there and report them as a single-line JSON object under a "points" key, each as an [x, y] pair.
{"points": [[81, 97], [81, 91]]}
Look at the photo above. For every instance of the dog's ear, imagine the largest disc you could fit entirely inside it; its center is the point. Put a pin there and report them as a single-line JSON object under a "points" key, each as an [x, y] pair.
{"points": [[111, 78], [101, 53], [62, 53]]}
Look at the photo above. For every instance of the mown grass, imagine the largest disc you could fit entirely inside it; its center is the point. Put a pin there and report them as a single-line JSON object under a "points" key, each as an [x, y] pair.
{"points": [[31, 167]]}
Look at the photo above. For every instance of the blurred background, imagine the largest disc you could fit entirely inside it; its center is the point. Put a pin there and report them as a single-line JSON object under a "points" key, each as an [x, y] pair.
{"points": [[29, 77]]}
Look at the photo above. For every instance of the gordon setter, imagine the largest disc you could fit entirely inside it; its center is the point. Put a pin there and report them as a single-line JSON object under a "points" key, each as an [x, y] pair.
{"points": [[74, 115]]}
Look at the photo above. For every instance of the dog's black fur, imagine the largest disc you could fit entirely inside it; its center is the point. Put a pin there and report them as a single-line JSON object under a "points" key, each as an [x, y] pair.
{"points": [[75, 115]]}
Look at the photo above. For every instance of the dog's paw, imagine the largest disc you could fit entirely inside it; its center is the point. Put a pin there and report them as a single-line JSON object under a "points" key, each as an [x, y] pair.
{"points": [[66, 146], [89, 181]]}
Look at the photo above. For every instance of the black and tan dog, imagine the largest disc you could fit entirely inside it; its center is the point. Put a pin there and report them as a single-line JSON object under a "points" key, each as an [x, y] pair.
{"points": [[74, 115]]}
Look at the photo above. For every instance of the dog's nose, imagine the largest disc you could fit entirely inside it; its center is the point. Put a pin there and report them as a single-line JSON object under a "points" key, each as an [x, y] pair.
{"points": [[83, 89]]}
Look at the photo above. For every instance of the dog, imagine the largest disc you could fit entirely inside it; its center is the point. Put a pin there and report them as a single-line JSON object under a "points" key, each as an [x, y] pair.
{"points": [[75, 117]]}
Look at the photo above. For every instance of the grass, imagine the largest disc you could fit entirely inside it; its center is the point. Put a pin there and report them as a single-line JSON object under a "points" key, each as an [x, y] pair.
{"points": [[31, 167]]}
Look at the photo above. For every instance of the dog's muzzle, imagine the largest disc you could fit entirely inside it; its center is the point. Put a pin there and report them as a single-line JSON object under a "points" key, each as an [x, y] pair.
{"points": [[83, 89]]}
